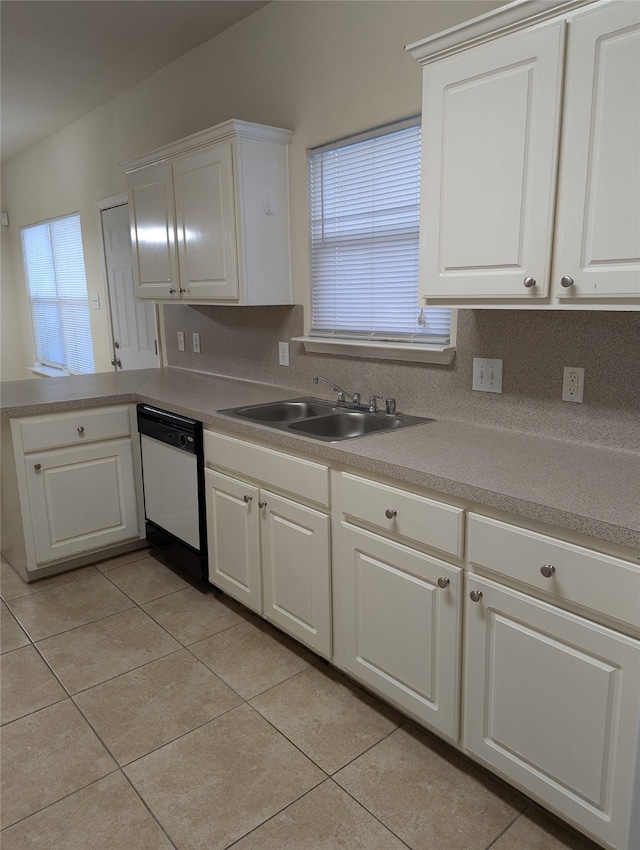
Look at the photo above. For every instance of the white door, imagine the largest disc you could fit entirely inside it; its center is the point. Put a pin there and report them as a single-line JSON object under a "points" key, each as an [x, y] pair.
{"points": [[133, 322], [206, 223], [401, 627], [296, 570], [598, 224], [490, 142], [233, 529], [552, 702], [82, 498]]}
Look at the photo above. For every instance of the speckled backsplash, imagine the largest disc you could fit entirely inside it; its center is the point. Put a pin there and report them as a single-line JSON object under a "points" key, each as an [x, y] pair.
{"points": [[534, 347]]}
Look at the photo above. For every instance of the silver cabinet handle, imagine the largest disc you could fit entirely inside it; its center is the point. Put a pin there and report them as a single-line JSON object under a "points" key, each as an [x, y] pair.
{"points": [[443, 582], [547, 570], [529, 282], [171, 291], [182, 290], [566, 281], [247, 499], [262, 504], [80, 430], [475, 595], [37, 467], [116, 362], [390, 513]]}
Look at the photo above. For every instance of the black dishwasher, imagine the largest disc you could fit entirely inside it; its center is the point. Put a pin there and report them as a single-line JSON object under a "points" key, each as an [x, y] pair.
{"points": [[173, 476]]}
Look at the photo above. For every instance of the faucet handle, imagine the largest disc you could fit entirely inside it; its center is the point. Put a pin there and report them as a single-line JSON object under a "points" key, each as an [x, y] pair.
{"points": [[373, 407]]}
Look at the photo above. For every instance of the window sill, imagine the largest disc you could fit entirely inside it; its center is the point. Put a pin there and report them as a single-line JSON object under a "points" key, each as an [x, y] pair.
{"points": [[47, 371], [379, 350]]}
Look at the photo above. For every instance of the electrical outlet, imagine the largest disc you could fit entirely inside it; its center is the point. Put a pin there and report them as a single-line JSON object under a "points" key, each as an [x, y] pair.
{"points": [[573, 383], [196, 343], [487, 375], [95, 301], [283, 353], [180, 341]]}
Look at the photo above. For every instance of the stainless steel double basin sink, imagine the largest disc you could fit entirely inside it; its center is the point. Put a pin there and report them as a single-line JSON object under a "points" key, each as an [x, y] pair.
{"points": [[322, 420]]}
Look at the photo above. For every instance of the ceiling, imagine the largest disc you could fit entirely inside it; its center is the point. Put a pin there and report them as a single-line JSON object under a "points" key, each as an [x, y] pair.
{"points": [[61, 59]]}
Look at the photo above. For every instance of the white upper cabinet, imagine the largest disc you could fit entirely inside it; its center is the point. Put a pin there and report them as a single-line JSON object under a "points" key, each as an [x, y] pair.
{"points": [[210, 217], [531, 158], [597, 236]]}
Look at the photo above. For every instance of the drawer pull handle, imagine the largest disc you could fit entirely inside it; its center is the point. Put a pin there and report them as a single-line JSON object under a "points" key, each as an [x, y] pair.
{"points": [[443, 582], [171, 291], [37, 467], [475, 595], [566, 281], [247, 499], [262, 504], [390, 513], [529, 282], [80, 430], [547, 570]]}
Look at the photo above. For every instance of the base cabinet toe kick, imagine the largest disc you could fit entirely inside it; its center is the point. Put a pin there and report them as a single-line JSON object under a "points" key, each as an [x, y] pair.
{"points": [[519, 648]]}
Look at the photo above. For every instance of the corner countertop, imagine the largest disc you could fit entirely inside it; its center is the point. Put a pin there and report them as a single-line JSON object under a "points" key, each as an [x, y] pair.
{"points": [[587, 489]]}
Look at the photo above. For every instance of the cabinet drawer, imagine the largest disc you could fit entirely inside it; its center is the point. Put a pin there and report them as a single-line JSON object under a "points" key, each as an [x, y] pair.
{"points": [[582, 576], [281, 471], [69, 429], [413, 517]]}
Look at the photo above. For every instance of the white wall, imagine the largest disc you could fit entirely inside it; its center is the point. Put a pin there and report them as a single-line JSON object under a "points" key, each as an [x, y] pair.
{"points": [[324, 69]]}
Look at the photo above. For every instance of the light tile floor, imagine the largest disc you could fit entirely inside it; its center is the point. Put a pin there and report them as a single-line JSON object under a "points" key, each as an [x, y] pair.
{"points": [[141, 712]]}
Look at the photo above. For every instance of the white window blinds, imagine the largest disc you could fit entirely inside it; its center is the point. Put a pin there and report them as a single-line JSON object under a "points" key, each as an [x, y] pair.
{"points": [[54, 264], [364, 240]]}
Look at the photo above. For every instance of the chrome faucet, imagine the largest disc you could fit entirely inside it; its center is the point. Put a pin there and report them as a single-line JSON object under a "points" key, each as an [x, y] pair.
{"points": [[342, 394]]}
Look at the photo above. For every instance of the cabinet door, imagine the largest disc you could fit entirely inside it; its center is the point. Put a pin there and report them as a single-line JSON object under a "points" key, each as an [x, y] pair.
{"points": [[151, 209], [234, 538], [82, 498], [552, 702], [598, 222], [296, 570], [400, 628], [490, 139], [206, 223]]}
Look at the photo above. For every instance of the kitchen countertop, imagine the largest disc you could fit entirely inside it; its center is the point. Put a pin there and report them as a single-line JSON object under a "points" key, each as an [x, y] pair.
{"points": [[588, 489]]}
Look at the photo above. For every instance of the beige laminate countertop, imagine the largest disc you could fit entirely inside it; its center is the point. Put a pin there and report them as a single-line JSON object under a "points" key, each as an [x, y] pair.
{"points": [[586, 489]]}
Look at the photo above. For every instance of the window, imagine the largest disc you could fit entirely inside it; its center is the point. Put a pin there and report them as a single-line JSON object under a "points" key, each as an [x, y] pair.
{"points": [[57, 286], [365, 194]]}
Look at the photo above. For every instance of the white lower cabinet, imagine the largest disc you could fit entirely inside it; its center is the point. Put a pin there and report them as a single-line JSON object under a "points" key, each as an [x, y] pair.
{"points": [[552, 696], [552, 702], [81, 498], [401, 626], [267, 550], [71, 486]]}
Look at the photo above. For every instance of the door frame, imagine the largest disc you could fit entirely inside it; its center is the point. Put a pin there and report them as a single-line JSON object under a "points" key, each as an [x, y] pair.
{"points": [[106, 204]]}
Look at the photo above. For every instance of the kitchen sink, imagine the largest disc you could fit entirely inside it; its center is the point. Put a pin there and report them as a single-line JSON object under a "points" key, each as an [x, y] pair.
{"points": [[322, 420], [283, 411]]}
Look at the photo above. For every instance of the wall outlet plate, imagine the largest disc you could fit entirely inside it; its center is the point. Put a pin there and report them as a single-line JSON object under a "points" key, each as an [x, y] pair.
{"points": [[196, 343], [283, 353], [180, 340], [487, 375], [573, 383]]}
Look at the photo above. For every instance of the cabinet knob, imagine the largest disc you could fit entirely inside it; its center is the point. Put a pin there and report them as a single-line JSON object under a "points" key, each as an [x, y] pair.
{"points": [[262, 504], [475, 595], [390, 513], [547, 570], [182, 290], [80, 430], [443, 582], [566, 281], [117, 362], [172, 291], [37, 467], [529, 282], [247, 499]]}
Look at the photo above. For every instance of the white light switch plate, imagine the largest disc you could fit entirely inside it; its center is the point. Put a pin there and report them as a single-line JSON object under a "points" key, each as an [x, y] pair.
{"points": [[487, 375]]}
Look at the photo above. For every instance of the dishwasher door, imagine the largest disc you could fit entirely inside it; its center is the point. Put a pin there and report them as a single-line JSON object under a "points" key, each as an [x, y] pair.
{"points": [[171, 489]]}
